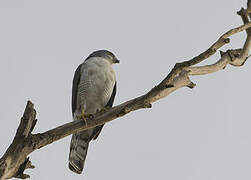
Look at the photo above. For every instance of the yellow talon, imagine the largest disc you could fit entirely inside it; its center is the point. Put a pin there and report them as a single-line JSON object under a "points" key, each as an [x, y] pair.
{"points": [[83, 116]]}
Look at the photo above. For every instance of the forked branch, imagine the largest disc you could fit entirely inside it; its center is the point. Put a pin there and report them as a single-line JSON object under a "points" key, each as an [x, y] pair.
{"points": [[15, 160]]}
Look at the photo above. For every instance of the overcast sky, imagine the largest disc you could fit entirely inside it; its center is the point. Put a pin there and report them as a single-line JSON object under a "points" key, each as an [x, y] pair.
{"points": [[199, 134]]}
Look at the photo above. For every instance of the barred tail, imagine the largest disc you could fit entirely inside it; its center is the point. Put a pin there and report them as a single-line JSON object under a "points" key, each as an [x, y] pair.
{"points": [[78, 151]]}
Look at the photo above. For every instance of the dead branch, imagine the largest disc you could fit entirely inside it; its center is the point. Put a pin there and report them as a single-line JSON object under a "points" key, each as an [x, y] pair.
{"points": [[15, 160]]}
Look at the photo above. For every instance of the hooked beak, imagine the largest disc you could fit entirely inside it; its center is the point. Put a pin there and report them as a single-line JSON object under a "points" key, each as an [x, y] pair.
{"points": [[116, 61]]}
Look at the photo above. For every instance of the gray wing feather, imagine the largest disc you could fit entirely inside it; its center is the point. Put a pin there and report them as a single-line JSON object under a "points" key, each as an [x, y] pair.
{"points": [[75, 84], [79, 141]]}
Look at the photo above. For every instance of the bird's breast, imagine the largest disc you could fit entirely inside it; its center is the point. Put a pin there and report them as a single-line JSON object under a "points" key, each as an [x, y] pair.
{"points": [[96, 85]]}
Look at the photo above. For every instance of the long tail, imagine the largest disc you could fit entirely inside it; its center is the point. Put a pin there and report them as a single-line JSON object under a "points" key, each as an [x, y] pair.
{"points": [[78, 151]]}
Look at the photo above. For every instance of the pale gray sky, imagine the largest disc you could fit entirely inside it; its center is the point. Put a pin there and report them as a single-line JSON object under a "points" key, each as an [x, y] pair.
{"points": [[42, 42]]}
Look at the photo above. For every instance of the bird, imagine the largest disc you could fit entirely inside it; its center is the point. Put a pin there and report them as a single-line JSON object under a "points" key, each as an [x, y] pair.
{"points": [[93, 90]]}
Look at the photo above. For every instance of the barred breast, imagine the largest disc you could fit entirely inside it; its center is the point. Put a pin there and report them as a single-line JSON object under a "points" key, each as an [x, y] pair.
{"points": [[96, 85]]}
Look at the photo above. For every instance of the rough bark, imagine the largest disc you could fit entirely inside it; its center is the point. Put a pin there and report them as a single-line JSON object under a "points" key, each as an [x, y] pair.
{"points": [[15, 160]]}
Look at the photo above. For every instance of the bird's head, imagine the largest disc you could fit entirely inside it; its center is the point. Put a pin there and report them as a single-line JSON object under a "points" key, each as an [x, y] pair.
{"points": [[104, 54]]}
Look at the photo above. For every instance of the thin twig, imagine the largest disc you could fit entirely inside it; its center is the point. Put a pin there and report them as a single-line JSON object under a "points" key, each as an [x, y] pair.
{"points": [[15, 160]]}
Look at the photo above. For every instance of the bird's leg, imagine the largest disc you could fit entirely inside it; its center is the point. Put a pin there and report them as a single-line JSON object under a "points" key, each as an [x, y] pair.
{"points": [[82, 116]]}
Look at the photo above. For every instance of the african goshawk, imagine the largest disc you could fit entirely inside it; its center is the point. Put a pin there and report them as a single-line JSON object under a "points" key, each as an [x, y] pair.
{"points": [[94, 88]]}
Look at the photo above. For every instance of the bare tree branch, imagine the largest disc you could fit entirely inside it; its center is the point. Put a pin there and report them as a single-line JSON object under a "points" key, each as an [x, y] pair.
{"points": [[15, 160]]}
